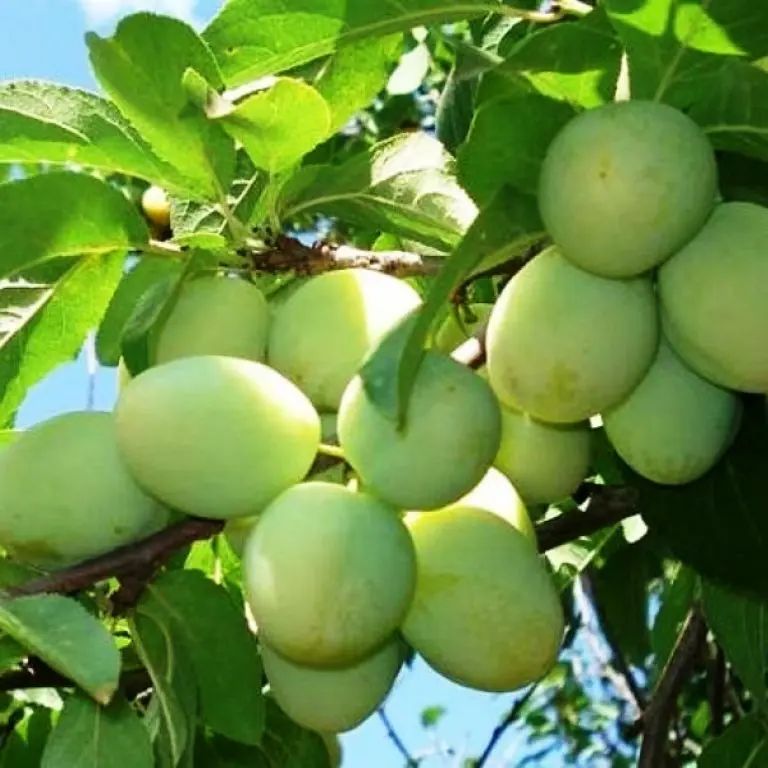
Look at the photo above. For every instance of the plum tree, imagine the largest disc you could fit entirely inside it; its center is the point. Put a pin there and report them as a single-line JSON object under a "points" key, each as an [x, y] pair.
{"points": [[626, 185], [322, 332], [156, 206], [486, 613], [216, 315], [564, 344], [329, 574], [452, 434], [332, 700], [451, 333], [674, 425], [712, 296], [216, 436], [65, 494], [545, 462]]}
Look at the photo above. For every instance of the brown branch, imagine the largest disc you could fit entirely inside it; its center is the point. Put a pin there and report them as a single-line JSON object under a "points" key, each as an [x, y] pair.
{"points": [[657, 716]]}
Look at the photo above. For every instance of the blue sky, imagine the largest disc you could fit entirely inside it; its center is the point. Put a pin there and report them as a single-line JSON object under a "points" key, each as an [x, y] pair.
{"points": [[44, 39]]}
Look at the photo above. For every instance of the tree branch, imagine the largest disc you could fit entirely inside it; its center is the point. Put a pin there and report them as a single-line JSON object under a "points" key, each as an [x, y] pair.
{"points": [[395, 739], [657, 716], [508, 720]]}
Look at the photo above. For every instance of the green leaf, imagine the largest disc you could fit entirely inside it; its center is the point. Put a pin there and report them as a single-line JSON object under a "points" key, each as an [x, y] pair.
{"points": [[277, 127], [133, 285], [141, 68], [222, 649], [354, 75], [50, 123], [390, 370], [91, 736], [410, 71], [744, 744], [677, 50], [742, 178], [252, 38], [455, 109], [404, 185], [68, 638], [676, 600], [64, 214], [740, 625], [431, 716], [717, 524], [45, 314], [24, 746]]}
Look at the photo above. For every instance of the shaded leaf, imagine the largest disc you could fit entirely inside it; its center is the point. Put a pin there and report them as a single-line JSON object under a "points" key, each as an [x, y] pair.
{"points": [[141, 68], [455, 109], [46, 313], [24, 746], [740, 625], [222, 649], [676, 600], [288, 745], [744, 744], [64, 214], [277, 127], [404, 185], [68, 638], [51, 123], [89, 736]]}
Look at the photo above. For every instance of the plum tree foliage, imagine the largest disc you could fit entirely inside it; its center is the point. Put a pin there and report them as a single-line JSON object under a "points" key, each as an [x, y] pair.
{"points": [[440, 341]]}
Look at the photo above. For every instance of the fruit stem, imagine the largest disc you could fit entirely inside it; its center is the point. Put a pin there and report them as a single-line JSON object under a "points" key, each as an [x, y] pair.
{"points": [[331, 450]]}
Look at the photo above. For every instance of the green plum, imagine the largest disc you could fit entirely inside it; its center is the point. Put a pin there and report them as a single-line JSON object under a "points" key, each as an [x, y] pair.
{"points": [[322, 332], [486, 613], [452, 433], [564, 344], [332, 700], [625, 185], [216, 315], [65, 494], [216, 436], [329, 574], [713, 302], [675, 425]]}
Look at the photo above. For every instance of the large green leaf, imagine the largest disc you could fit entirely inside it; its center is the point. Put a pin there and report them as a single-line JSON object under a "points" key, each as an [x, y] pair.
{"points": [[252, 38], [46, 122], [24, 746], [288, 745], [679, 588], [68, 638], [45, 314], [64, 214], [280, 125], [390, 370], [744, 744], [141, 68], [222, 649], [404, 185], [677, 50], [91, 736], [740, 625]]}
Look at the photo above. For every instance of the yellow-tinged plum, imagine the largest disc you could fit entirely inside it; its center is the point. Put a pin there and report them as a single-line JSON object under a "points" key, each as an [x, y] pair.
{"points": [[216, 436], [713, 298], [452, 433], [675, 425], [564, 344], [322, 332], [332, 700], [216, 315], [545, 462], [452, 334], [486, 613], [329, 574], [625, 185], [65, 494], [156, 206]]}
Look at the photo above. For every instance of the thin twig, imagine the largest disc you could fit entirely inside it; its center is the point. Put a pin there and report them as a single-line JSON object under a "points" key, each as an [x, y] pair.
{"points": [[657, 716], [396, 740], [507, 721]]}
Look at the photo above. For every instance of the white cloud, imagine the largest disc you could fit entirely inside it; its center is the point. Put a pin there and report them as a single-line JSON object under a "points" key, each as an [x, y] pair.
{"points": [[101, 12]]}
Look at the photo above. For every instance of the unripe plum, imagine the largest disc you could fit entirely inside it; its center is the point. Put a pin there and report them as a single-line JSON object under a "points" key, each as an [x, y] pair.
{"points": [[675, 425], [65, 494], [545, 462], [486, 613], [451, 334], [216, 436], [332, 700], [329, 574], [713, 298], [452, 433], [564, 344], [625, 185], [216, 315], [322, 332]]}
